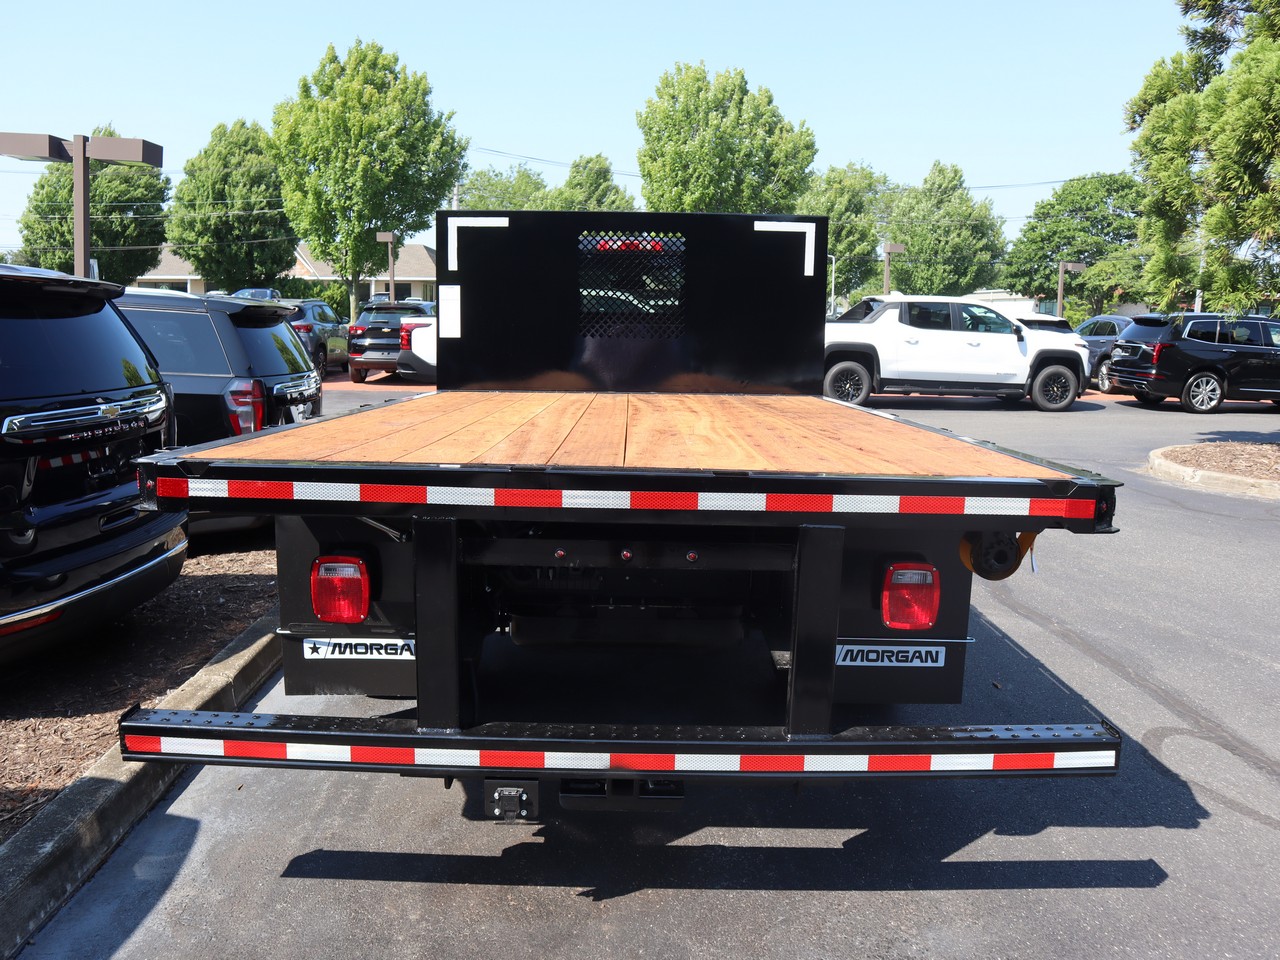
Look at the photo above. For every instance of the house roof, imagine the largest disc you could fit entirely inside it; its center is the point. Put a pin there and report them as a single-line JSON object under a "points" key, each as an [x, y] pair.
{"points": [[416, 261]]}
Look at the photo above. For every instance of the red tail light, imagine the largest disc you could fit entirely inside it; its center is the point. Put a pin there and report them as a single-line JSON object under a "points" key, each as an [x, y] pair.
{"points": [[1156, 350], [910, 597], [406, 331], [356, 331], [339, 589], [246, 403], [302, 327]]}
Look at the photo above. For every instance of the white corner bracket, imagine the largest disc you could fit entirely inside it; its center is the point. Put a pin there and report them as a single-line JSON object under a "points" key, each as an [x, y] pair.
{"points": [[808, 229], [456, 222]]}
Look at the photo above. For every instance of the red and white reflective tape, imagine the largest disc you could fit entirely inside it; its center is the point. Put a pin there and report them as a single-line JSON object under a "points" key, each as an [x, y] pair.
{"points": [[455, 759], [181, 488], [70, 459]]}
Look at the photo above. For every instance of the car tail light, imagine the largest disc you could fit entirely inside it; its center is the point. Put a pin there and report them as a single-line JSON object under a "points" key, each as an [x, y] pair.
{"points": [[356, 331], [1156, 350], [406, 332], [339, 589], [246, 403], [302, 327], [910, 597]]}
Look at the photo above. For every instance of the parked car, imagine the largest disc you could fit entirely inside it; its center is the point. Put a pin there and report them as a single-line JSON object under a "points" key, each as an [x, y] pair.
{"points": [[80, 398], [948, 346], [1043, 321], [1100, 334], [373, 341], [1199, 358], [321, 331], [236, 365], [417, 360], [258, 293]]}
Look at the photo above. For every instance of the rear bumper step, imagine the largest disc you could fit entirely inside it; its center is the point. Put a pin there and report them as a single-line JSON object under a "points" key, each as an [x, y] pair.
{"points": [[395, 745]]}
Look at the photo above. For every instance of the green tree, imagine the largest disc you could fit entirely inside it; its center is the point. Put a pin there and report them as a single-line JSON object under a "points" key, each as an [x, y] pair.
{"points": [[126, 218], [361, 150], [714, 146], [589, 186], [1091, 220], [227, 220], [849, 197], [519, 188], [953, 245], [1207, 150]]}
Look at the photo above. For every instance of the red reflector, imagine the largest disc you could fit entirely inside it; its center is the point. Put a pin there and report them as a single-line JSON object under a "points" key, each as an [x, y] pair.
{"points": [[339, 589], [29, 623], [910, 597]]}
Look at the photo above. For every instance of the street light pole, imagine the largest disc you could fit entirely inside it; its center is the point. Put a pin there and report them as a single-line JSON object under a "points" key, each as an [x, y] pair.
{"points": [[78, 151], [831, 305], [1063, 267], [389, 238], [890, 248]]}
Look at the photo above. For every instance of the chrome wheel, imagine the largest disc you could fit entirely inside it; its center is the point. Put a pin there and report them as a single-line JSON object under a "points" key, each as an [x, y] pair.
{"points": [[1203, 393], [1105, 383]]}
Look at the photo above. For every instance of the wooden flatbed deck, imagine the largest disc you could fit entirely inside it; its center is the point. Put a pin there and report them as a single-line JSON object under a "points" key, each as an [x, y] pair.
{"points": [[647, 431]]}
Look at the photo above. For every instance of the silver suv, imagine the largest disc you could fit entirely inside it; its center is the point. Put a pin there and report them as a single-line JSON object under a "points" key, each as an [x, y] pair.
{"points": [[950, 346]]}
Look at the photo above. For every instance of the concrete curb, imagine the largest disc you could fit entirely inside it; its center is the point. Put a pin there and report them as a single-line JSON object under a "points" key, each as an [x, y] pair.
{"points": [[1164, 468], [47, 860]]}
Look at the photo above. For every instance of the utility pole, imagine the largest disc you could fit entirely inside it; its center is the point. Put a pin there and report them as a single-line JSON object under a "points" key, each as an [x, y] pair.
{"points": [[389, 238], [890, 248], [78, 151], [1063, 267]]}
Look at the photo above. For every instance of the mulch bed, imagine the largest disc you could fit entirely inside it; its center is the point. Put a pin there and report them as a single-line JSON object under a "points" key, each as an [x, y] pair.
{"points": [[58, 711]]}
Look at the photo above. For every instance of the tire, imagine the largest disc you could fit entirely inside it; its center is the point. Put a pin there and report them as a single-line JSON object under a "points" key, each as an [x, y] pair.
{"points": [[357, 375], [1147, 399], [1202, 393], [1105, 383], [1054, 388], [319, 360], [848, 381]]}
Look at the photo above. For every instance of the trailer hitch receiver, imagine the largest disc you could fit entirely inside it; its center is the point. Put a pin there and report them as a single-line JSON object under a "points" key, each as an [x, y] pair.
{"points": [[511, 800]]}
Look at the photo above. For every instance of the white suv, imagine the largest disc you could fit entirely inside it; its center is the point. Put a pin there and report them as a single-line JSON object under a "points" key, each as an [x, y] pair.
{"points": [[950, 346]]}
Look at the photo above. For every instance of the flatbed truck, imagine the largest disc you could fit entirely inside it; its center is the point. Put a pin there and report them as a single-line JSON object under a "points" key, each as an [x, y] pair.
{"points": [[627, 545]]}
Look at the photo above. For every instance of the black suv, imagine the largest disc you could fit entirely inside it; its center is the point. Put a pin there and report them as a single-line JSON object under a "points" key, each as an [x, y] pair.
{"points": [[236, 365], [1200, 358], [80, 398], [373, 341]]}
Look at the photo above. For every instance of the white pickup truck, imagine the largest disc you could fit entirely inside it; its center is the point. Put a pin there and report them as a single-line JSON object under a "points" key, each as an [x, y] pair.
{"points": [[948, 346]]}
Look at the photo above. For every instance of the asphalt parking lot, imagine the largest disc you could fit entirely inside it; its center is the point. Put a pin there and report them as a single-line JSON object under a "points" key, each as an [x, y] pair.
{"points": [[1164, 629]]}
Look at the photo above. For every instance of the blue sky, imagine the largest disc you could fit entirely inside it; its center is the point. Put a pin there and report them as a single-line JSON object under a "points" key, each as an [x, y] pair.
{"points": [[1020, 94]]}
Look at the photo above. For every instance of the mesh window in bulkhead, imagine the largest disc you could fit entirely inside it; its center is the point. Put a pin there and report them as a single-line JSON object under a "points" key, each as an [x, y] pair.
{"points": [[928, 316], [631, 286]]}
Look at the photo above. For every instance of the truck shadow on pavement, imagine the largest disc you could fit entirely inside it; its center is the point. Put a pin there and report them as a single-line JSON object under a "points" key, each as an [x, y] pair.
{"points": [[900, 834]]}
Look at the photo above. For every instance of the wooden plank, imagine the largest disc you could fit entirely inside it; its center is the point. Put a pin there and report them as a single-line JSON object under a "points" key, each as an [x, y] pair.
{"points": [[470, 442], [387, 448], [599, 438], [763, 433], [536, 441]]}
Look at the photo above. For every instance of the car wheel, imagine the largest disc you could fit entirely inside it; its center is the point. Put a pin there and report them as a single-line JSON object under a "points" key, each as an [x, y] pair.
{"points": [[848, 381], [1054, 388], [319, 360], [358, 375], [1203, 393], [1147, 399], [1105, 383]]}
